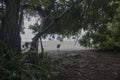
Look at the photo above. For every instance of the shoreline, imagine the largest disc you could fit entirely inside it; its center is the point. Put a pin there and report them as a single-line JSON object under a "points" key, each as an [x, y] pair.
{"points": [[64, 46]]}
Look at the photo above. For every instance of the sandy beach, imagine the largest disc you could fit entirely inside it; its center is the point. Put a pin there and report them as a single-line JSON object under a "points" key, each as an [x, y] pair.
{"points": [[64, 46]]}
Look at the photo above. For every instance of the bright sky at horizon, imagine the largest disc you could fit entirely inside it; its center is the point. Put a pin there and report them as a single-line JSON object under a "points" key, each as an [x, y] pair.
{"points": [[27, 37], [28, 32]]}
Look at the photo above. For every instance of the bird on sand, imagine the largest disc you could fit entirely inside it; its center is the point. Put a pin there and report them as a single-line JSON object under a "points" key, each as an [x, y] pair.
{"points": [[58, 46]]}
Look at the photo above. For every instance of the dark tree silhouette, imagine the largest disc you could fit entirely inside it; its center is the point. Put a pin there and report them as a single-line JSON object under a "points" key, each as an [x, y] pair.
{"points": [[10, 40]]}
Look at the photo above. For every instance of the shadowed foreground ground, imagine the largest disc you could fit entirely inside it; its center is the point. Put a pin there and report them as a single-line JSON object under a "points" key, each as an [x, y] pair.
{"points": [[85, 65]]}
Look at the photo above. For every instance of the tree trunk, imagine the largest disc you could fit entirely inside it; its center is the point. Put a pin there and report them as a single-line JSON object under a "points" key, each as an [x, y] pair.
{"points": [[10, 40], [42, 48]]}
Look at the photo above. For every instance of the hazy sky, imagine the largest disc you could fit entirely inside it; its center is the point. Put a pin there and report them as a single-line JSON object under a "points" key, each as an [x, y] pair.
{"points": [[28, 32]]}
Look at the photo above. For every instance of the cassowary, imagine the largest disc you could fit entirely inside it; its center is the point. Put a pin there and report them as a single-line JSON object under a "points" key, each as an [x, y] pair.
{"points": [[58, 46]]}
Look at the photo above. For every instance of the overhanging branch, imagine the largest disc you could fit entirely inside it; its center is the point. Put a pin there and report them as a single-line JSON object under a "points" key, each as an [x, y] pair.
{"points": [[37, 36]]}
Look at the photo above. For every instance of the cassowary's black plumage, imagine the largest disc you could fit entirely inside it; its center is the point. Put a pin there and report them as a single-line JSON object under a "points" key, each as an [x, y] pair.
{"points": [[58, 46]]}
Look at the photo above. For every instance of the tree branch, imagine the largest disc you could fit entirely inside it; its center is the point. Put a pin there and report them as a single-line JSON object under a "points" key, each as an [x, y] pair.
{"points": [[37, 36]]}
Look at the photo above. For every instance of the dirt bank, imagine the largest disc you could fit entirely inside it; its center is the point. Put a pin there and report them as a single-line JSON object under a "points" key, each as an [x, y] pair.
{"points": [[85, 65]]}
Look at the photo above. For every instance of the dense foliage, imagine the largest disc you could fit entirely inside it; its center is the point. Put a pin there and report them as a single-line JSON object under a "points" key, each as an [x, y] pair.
{"points": [[105, 34], [97, 18], [20, 67]]}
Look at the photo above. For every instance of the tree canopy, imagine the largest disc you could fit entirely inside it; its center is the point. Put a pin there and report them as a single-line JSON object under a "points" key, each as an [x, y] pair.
{"points": [[93, 16], [99, 19]]}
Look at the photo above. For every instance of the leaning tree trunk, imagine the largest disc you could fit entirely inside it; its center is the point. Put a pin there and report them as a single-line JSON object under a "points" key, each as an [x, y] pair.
{"points": [[46, 25], [10, 40], [42, 48]]}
